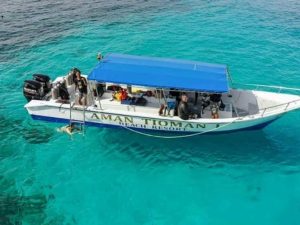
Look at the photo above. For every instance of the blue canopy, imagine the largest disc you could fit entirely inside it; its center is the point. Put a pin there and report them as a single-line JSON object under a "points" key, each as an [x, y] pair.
{"points": [[161, 73]]}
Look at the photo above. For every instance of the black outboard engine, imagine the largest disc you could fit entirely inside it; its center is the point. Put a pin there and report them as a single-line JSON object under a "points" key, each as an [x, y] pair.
{"points": [[36, 88], [44, 80], [32, 90]]}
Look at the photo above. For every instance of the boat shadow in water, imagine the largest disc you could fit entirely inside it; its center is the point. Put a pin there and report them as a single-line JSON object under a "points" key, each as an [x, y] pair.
{"points": [[16, 208], [240, 148], [13, 129]]}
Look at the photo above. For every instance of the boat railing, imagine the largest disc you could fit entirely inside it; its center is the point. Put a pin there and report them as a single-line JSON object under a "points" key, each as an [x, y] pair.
{"points": [[282, 106], [262, 87], [279, 89]]}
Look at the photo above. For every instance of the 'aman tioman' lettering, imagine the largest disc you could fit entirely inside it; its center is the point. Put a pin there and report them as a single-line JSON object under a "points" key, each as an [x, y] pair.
{"points": [[146, 121]]}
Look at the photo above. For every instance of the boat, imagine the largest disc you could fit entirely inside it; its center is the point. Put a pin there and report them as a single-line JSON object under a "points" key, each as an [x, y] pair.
{"points": [[153, 86]]}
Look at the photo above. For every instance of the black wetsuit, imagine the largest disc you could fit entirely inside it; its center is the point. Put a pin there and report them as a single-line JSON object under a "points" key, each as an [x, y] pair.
{"points": [[183, 110], [81, 84]]}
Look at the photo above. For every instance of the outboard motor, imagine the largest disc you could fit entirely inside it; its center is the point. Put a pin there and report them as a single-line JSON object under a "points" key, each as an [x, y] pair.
{"points": [[44, 80], [32, 90], [36, 88]]}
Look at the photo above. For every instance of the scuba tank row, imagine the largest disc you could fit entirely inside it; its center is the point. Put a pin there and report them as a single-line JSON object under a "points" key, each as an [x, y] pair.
{"points": [[37, 88]]}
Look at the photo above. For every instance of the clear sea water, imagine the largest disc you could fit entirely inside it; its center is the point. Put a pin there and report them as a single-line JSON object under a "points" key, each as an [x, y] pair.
{"points": [[111, 176]]}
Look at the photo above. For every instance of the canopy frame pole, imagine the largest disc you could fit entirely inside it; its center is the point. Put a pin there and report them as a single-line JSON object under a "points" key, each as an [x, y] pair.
{"points": [[98, 97], [159, 95], [91, 92], [164, 96], [165, 100], [236, 111]]}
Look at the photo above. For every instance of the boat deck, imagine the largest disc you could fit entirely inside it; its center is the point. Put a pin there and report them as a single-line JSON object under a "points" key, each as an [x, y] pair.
{"points": [[153, 104]]}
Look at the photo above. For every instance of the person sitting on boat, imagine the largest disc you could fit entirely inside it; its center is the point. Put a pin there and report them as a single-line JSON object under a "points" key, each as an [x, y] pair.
{"points": [[81, 85], [214, 111], [184, 112]]}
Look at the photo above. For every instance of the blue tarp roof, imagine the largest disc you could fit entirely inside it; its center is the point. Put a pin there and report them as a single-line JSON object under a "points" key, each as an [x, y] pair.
{"points": [[161, 73]]}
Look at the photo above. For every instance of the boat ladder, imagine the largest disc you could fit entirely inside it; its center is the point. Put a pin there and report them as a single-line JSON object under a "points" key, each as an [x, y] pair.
{"points": [[75, 121]]}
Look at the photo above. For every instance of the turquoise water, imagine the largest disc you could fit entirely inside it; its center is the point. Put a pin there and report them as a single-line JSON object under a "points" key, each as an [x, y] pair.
{"points": [[111, 176]]}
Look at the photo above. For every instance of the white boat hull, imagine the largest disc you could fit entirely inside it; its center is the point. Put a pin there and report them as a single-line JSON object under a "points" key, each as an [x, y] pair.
{"points": [[93, 117]]}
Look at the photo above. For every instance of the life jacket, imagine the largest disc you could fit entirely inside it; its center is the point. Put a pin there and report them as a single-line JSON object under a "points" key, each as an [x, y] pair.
{"points": [[118, 96], [124, 94]]}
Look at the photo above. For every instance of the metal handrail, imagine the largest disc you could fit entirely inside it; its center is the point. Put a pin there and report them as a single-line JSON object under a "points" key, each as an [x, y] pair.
{"points": [[275, 106], [271, 86], [279, 88], [83, 124]]}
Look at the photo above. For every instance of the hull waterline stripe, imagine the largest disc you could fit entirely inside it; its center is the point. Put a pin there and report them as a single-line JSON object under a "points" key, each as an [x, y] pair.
{"points": [[92, 124]]}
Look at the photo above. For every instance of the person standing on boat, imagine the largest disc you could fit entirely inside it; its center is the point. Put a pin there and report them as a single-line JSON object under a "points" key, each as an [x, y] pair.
{"points": [[183, 109], [81, 85]]}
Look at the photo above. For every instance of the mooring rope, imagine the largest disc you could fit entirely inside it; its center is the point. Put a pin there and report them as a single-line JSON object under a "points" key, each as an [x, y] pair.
{"points": [[178, 136]]}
